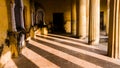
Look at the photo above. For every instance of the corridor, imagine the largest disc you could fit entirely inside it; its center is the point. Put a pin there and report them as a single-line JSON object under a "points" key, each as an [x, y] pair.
{"points": [[58, 51]]}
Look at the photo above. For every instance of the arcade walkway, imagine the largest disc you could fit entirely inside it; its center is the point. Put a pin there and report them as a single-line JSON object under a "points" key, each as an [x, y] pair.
{"points": [[58, 51]]}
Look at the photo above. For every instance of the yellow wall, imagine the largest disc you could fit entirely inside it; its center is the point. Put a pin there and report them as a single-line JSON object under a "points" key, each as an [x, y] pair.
{"points": [[56, 6], [3, 21], [27, 14]]}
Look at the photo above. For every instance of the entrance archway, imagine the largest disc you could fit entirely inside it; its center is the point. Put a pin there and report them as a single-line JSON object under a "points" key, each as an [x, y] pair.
{"points": [[40, 17]]}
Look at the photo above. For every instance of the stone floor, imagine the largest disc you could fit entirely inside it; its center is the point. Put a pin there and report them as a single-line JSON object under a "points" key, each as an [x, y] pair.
{"points": [[59, 51]]}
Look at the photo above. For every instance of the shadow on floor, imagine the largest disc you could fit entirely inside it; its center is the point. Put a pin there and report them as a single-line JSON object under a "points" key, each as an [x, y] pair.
{"points": [[51, 57], [23, 62], [75, 45], [68, 38], [104, 38]]}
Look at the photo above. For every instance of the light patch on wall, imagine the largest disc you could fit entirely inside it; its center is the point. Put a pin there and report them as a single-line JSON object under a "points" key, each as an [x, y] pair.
{"points": [[67, 18], [68, 26]]}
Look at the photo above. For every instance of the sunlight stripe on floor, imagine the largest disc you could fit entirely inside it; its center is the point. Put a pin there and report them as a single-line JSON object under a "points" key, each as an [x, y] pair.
{"points": [[65, 37], [69, 41], [11, 64], [37, 59], [65, 56], [98, 46]]}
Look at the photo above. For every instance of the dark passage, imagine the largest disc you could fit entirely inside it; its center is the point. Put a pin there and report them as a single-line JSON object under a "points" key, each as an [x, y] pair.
{"points": [[58, 22], [102, 26]]}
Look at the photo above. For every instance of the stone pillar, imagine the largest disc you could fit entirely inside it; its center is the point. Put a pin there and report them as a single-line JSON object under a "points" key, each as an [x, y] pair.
{"points": [[108, 10], [81, 19], [32, 19], [22, 39], [13, 33], [94, 25], [12, 5], [114, 29], [32, 12], [21, 13], [32, 34], [87, 17], [73, 17]]}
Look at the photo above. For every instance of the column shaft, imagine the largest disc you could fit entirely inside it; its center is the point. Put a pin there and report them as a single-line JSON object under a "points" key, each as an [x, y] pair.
{"points": [[114, 30], [87, 17], [12, 4], [22, 38], [94, 25], [73, 17], [81, 19], [21, 14], [108, 10]]}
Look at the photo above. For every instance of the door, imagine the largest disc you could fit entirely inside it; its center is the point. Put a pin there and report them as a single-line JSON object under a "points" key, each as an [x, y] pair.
{"points": [[58, 22], [102, 27]]}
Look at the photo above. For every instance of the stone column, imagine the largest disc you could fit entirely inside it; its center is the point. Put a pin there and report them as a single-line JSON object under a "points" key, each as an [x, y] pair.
{"points": [[94, 25], [21, 13], [32, 34], [12, 4], [73, 17], [32, 12], [81, 19], [108, 10], [114, 29], [13, 33], [32, 19], [22, 39], [87, 17]]}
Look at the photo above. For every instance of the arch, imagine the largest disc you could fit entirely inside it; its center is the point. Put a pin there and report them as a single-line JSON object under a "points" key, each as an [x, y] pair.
{"points": [[40, 15]]}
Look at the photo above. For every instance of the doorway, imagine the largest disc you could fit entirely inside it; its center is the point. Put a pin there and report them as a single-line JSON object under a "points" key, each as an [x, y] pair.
{"points": [[103, 37], [58, 22], [102, 26]]}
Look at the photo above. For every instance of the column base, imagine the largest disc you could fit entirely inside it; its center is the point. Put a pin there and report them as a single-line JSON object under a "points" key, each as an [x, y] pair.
{"points": [[73, 31], [93, 42], [81, 37]]}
